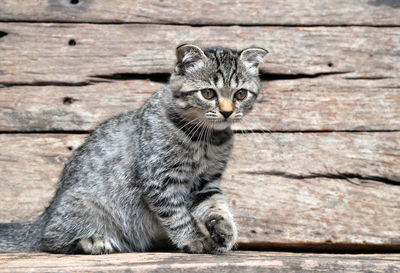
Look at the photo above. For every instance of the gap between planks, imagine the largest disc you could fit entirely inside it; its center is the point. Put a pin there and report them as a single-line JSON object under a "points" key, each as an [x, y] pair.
{"points": [[197, 24], [239, 132], [164, 78], [312, 247]]}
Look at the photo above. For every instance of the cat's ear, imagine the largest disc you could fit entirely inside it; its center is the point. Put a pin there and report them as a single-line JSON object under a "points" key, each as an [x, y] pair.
{"points": [[189, 58], [252, 57]]}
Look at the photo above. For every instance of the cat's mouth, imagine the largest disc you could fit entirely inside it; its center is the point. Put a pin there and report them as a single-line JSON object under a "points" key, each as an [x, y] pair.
{"points": [[211, 119], [219, 124]]}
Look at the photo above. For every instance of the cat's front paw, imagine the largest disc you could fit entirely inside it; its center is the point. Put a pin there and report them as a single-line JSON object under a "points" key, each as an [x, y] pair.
{"points": [[223, 233], [199, 245]]}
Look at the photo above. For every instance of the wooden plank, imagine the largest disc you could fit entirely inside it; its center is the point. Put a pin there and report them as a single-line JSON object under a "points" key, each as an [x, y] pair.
{"points": [[283, 188], [305, 188], [58, 108], [40, 159], [238, 261], [323, 103], [207, 12], [41, 53]]}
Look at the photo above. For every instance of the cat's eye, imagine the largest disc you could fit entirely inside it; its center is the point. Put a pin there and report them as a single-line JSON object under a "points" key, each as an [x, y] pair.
{"points": [[208, 93], [241, 94]]}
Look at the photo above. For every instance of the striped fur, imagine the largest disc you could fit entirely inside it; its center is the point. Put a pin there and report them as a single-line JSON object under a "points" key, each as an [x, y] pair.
{"points": [[151, 178]]}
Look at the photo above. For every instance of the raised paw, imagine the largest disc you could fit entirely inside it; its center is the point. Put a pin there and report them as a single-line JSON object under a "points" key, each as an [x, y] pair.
{"points": [[199, 245], [222, 232], [94, 245]]}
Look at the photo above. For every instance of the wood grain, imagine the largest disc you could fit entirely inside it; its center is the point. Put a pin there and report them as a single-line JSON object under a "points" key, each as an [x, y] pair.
{"points": [[29, 169], [59, 108], [323, 103], [303, 12], [283, 188], [42, 54], [238, 261], [334, 66]]}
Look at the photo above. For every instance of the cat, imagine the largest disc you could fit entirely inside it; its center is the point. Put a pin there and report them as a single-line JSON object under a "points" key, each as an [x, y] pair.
{"points": [[151, 177]]}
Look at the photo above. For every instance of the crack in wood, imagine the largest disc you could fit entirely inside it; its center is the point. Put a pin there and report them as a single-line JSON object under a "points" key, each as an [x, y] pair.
{"points": [[391, 3], [164, 77], [324, 247], [258, 131], [44, 83], [237, 132], [199, 24], [340, 176], [368, 78], [160, 78], [155, 77], [2, 34], [54, 132], [275, 76]]}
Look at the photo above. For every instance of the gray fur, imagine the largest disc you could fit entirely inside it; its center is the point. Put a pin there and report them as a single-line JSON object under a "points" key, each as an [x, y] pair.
{"points": [[151, 177]]}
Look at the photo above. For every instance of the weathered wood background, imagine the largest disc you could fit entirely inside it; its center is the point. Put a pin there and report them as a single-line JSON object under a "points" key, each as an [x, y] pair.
{"points": [[316, 163]]}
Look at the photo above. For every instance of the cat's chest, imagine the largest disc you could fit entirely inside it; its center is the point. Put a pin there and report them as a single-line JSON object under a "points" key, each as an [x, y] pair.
{"points": [[205, 159]]}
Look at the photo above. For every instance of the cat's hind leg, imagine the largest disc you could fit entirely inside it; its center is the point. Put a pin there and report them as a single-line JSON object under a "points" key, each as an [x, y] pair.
{"points": [[93, 245]]}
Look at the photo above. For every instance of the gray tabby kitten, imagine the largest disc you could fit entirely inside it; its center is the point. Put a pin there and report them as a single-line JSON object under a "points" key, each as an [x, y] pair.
{"points": [[152, 177]]}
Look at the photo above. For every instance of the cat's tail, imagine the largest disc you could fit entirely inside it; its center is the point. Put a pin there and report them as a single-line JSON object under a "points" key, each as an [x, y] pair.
{"points": [[20, 237]]}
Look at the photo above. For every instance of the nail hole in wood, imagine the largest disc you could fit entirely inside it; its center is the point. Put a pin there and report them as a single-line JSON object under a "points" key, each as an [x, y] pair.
{"points": [[330, 64], [72, 42], [68, 100], [70, 148], [74, 2]]}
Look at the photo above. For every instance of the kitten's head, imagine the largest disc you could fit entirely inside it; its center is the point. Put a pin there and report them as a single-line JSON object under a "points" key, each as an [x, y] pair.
{"points": [[215, 86]]}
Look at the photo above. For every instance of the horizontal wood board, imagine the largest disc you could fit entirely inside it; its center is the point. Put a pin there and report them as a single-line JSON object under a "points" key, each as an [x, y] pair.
{"points": [[238, 261], [283, 188], [209, 12], [81, 53], [323, 103]]}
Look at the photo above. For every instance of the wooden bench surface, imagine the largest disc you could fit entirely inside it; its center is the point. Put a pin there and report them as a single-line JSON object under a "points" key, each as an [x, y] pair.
{"points": [[317, 162], [238, 261]]}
